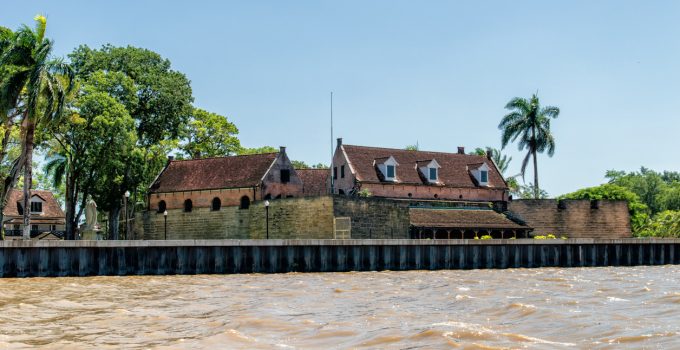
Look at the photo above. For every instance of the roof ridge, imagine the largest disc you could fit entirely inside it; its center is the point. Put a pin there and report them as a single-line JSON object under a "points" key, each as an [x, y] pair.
{"points": [[222, 157], [410, 150]]}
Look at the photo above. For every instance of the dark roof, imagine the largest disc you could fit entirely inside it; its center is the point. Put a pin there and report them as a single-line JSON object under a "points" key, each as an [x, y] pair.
{"points": [[462, 218], [314, 181], [51, 207], [454, 171], [213, 173]]}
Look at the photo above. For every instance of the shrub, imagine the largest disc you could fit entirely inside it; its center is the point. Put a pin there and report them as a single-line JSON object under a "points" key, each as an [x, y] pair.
{"points": [[539, 237], [550, 236], [486, 237]]}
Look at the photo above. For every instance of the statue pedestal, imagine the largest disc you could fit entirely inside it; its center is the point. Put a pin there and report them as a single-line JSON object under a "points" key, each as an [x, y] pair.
{"points": [[92, 235]]}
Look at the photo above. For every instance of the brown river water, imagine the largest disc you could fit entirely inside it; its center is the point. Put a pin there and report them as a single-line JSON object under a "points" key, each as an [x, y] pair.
{"points": [[548, 308]]}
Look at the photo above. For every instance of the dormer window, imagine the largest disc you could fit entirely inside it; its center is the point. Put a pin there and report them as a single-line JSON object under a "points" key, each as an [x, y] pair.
{"points": [[429, 170], [481, 173], [36, 207], [388, 168]]}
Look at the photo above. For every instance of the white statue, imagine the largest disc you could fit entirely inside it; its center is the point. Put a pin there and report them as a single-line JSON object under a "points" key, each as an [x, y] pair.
{"points": [[90, 214]]}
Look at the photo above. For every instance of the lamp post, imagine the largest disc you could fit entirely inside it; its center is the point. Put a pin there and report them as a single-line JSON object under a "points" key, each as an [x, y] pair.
{"points": [[165, 216], [127, 195], [266, 211]]}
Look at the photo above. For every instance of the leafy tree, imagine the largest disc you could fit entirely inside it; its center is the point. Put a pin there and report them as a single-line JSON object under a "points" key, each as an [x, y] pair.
{"points": [[298, 164], [415, 147], [209, 135], [96, 140], [36, 85], [530, 123], [159, 103], [659, 191], [257, 150], [639, 212], [528, 191], [663, 224]]}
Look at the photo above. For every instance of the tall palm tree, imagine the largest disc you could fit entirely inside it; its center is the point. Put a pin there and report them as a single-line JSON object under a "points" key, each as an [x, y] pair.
{"points": [[530, 123], [39, 85]]}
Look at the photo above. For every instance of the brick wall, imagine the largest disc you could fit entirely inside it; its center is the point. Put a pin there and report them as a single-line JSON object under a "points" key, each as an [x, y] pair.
{"points": [[429, 192], [576, 219], [288, 218], [202, 199], [374, 217]]}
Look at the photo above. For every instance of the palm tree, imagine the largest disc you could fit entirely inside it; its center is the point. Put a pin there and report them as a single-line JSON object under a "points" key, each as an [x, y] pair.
{"points": [[38, 84], [529, 122]]}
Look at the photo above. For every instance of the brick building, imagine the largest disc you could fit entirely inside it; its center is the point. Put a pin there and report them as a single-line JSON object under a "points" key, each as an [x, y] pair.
{"points": [[407, 174], [224, 181], [46, 214]]}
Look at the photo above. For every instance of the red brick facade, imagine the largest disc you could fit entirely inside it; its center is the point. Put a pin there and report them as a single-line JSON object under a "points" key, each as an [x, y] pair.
{"points": [[355, 168], [224, 181]]}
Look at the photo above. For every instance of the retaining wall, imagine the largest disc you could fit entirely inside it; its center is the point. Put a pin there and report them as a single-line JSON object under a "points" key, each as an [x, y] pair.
{"points": [[88, 258]]}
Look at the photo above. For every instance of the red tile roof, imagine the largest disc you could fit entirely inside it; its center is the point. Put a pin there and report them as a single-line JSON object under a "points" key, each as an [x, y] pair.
{"points": [[213, 173], [454, 171], [51, 208], [314, 181], [462, 218]]}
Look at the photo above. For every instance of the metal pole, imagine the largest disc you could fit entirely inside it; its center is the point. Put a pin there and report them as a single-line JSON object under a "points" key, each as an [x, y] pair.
{"points": [[166, 227], [126, 218], [266, 209]]}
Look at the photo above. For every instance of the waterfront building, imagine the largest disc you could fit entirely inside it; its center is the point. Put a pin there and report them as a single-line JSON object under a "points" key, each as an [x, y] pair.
{"points": [[46, 215], [224, 181]]}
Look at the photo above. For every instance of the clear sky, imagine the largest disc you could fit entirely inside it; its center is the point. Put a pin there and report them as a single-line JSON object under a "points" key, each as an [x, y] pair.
{"points": [[434, 72]]}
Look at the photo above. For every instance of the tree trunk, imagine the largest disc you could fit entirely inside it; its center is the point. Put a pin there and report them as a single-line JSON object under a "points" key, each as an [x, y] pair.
{"points": [[28, 175], [8, 185], [536, 188], [114, 213], [10, 180]]}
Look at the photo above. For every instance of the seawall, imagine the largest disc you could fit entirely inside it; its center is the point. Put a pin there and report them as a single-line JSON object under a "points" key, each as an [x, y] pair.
{"points": [[90, 258]]}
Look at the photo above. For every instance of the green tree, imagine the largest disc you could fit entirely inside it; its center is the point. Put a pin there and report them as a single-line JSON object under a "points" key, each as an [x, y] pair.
{"points": [[257, 150], [530, 123], [298, 164], [209, 135], [415, 147], [38, 84], [639, 212], [160, 105], [647, 184], [663, 224]]}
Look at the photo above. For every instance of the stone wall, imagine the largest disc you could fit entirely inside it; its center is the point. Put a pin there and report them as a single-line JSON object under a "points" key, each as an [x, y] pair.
{"points": [[574, 218], [288, 218], [374, 217]]}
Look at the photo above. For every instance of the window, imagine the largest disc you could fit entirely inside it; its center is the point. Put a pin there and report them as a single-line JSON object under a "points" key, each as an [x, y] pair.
{"points": [[390, 171], [188, 205], [20, 208], [433, 174], [161, 207], [216, 204], [285, 176], [34, 227], [245, 203], [268, 196], [54, 227], [341, 192], [484, 176], [36, 207], [335, 173], [17, 227], [342, 171]]}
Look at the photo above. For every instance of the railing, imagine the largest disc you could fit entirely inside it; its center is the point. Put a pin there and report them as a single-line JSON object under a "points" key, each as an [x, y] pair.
{"points": [[34, 233]]}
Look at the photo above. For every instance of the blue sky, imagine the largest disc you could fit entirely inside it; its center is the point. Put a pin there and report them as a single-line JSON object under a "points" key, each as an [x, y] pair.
{"points": [[434, 72]]}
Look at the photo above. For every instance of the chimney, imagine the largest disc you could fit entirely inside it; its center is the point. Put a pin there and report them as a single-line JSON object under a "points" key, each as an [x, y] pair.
{"points": [[171, 158], [339, 141], [489, 153], [282, 149], [461, 150]]}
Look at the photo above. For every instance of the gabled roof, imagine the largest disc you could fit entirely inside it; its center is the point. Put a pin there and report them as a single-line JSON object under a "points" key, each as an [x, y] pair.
{"points": [[213, 173], [454, 171], [50, 207], [314, 181], [462, 219]]}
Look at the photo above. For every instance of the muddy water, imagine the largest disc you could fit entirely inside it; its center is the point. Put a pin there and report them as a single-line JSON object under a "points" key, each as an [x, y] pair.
{"points": [[525, 308]]}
